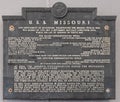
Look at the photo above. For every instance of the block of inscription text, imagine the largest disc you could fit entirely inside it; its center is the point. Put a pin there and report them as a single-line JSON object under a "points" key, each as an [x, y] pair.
{"points": [[59, 53]]}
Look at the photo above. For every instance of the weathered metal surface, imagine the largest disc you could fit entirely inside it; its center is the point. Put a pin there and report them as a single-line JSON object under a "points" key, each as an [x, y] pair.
{"points": [[59, 53]]}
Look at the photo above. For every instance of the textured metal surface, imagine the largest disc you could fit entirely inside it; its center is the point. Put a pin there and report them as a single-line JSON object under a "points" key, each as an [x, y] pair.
{"points": [[98, 27]]}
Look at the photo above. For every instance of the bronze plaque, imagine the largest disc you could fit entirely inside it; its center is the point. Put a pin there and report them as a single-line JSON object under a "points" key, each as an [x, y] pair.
{"points": [[59, 53]]}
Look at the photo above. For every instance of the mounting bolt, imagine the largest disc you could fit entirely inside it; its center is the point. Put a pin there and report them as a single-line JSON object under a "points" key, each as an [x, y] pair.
{"points": [[11, 28], [10, 90], [106, 27], [108, 90]]}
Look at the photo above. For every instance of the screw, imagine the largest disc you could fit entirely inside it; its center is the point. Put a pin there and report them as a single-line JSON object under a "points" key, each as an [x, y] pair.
{"points": [[108, 90], [106, 27], [11, 28], [10, 90]]}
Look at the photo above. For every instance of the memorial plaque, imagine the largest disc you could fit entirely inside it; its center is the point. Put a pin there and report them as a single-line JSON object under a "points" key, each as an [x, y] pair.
{"points": [[59, 53]]}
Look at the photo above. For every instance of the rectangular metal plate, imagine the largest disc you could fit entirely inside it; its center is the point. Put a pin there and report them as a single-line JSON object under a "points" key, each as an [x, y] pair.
{"points": [[59, 53]]}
